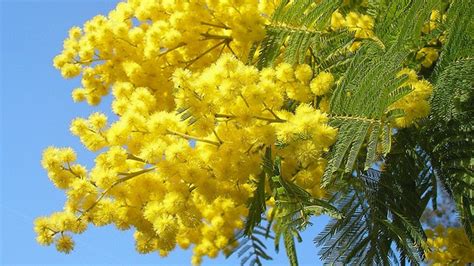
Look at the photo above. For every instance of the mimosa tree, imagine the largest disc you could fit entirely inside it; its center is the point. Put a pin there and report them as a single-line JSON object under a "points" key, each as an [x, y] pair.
{"points": [[237, 121]]}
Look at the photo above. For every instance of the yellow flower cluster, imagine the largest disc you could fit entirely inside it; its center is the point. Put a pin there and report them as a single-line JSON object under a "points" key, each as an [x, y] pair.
{"points": [[257, 98], [433, 23], [52, 229], [60, 167], [306, 137], [322, 83], [180, 162], [415, 104], [90, 131], [361, 25], [143, 42], [429, 54], [183, 177], [449, 246]]}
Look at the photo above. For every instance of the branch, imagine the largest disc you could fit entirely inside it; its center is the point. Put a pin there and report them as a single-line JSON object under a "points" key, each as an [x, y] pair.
{"points": [[189, 137], [127, 177]]}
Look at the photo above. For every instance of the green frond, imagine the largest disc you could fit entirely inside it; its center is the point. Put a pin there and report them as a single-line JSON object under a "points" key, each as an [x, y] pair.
{"points": [[453, 90], [251, 249], [459, 36], [256, 205], [290, 248], [296, 26], [370, 85], [293, 208], [382, 209], [450, 129], [377, 217]]}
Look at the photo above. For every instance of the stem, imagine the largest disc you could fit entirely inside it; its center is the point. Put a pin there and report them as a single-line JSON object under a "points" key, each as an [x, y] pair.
{"points": [[271, 120], [204, 53], [214, 25], [245, 101], [209, 36], [227, 44], [273, 113], [117, 182], [224, 116], [126, 41], [88, 61], [172, 49], [189, 137], [135, 158], [70, 170], [217, 136], [52, 230]]}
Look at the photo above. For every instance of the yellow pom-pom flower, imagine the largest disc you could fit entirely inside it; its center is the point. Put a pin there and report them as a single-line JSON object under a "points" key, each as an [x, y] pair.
{"points": [[322, 83]]}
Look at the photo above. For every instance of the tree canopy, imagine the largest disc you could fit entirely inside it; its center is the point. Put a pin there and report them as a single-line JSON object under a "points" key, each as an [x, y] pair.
{"points": [[237, 121]]}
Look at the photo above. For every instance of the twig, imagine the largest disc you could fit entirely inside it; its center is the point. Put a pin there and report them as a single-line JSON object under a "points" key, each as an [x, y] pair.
{"points": [[189, 137]]}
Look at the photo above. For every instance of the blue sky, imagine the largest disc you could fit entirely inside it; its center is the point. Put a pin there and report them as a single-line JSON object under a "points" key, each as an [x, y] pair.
{"points": [[36, 109]]}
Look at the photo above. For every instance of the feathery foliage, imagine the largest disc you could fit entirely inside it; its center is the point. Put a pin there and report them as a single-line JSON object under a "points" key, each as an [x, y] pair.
{"points": [[450, 130], [372, 78], [250, 246], [381, 209], [329, 114], [297, 26]]}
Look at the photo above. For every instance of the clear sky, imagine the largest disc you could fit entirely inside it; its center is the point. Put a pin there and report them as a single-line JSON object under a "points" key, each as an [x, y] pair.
{"points": [[36, 109]]}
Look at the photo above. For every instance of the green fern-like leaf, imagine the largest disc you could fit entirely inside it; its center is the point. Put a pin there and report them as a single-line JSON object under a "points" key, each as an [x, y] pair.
{"points": [[450, 130], [359, 104], [256, 205], [251, 249], [378, 216], [296, 26]]}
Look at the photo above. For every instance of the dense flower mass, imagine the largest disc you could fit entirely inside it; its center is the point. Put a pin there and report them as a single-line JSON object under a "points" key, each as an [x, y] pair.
{"points": [[450, 246], [177, 192], [193, 121], [145, 41], [415, 104]]}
